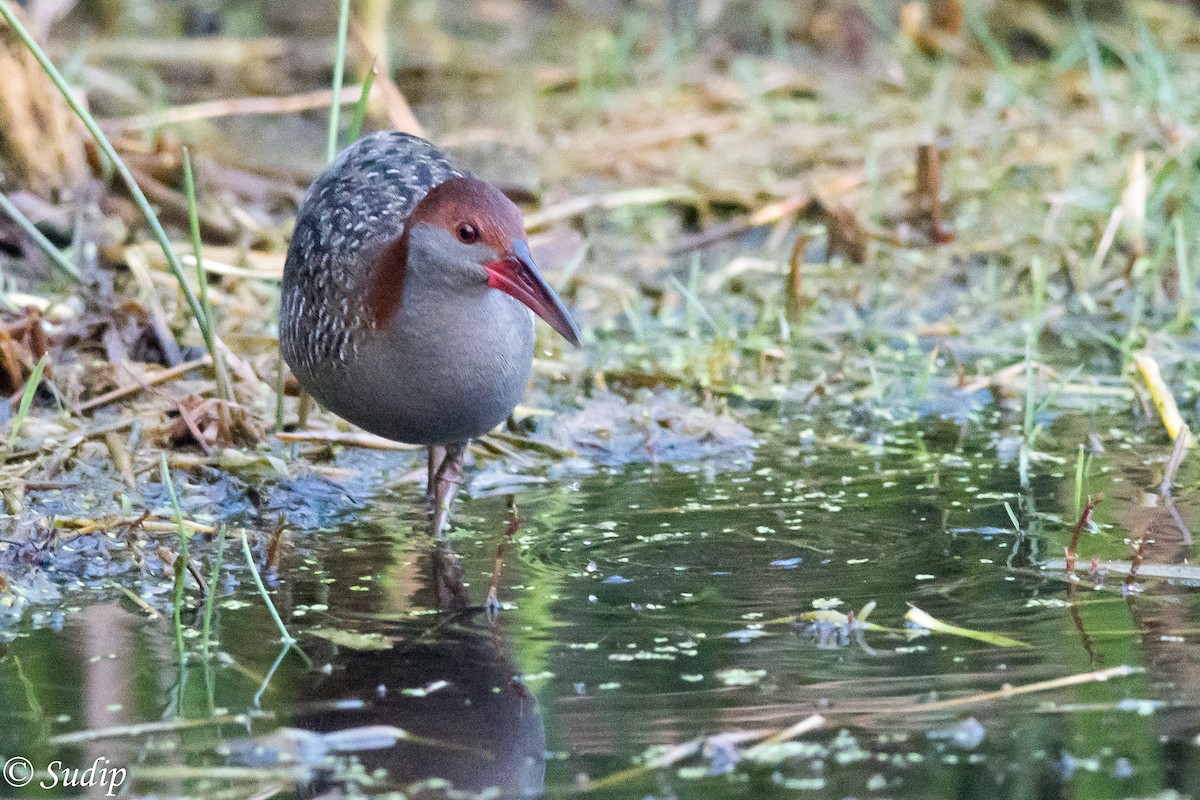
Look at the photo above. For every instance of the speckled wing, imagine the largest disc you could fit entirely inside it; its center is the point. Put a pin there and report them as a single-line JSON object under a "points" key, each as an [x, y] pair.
{"points": [[357, 206]]}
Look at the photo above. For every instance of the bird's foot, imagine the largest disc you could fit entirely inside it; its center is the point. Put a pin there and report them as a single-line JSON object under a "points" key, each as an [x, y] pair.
{"points": [[514, 517], [492, 604], [514, 524]]}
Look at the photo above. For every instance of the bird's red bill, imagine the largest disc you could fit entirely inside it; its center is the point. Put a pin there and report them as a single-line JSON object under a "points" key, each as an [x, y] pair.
{"points": [[516, 275]]}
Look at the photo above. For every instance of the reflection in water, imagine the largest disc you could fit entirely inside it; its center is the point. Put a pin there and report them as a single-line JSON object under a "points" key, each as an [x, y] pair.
{"points": [[449, 683], [650, 608], [106, 685]]}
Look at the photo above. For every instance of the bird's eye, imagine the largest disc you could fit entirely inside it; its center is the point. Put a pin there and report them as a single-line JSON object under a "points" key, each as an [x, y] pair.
{"points": [[468, 233]]}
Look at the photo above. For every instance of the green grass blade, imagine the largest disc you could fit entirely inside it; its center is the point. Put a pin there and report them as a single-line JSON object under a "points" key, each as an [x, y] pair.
{"points": [[1184, 315], [1080, 466], [262, 689], [56, 256], [285, 637], [210, 601], [360, 109], [35, 380], [189, 187], [997, 52], [189, 182], [181, 559], [1012, 516], [339, 68], [1095, 61]]}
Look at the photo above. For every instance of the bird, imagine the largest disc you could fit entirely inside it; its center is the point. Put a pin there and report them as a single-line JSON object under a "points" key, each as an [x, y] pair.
{"points": [[408, 299]]}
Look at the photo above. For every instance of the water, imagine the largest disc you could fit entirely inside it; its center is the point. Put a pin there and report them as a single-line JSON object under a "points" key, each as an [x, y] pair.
{"points": [[649, 605]]}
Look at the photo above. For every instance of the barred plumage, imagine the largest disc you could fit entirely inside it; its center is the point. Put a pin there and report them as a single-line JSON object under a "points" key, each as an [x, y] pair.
{"points": [[357, 206]]}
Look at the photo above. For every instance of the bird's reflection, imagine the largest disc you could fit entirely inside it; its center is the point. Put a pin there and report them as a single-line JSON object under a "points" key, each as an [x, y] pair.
{"points": [[447, 682]]}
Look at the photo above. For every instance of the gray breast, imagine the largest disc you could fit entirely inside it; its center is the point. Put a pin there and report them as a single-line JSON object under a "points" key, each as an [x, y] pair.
{"points": [[450, 371]]}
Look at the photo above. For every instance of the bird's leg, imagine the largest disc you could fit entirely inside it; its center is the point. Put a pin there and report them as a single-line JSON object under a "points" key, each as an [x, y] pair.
{"points": [[437, 454], [446, 478], [514, 524]]}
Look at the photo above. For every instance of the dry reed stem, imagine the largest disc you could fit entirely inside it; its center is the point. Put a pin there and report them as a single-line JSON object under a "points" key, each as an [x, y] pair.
{"points": [[1072, 549], [125, 392], [231, 107], [1097, 676]]}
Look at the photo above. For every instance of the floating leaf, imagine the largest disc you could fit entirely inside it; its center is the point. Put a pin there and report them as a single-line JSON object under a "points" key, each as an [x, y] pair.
{"points": [[1164, 400], [922, 618], [741, 677], [745, 634], [354, 641], [252, 464], [422, 691]]}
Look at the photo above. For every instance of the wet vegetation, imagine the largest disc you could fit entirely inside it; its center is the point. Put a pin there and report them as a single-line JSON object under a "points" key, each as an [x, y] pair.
{"points": [[873, 478]]}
